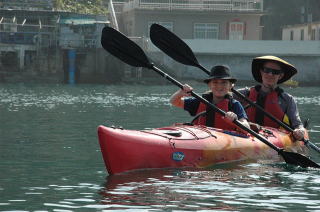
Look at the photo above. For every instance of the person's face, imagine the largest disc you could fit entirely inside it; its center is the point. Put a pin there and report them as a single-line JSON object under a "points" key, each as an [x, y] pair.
{"points": [[220, 87], [271, 73]]}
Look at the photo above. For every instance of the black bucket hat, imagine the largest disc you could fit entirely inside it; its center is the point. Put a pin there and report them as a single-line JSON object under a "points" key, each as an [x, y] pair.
{"points": [[257, 64], [220, 72]]}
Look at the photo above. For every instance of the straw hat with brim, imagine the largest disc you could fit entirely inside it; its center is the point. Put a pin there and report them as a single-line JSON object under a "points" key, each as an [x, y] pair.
{"points": [[257, 64], [220, 72]]}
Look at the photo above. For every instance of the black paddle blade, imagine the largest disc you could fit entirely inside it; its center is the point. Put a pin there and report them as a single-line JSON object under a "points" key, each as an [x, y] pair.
{"points": [[172, 45], [298, 159], [123, 48]]}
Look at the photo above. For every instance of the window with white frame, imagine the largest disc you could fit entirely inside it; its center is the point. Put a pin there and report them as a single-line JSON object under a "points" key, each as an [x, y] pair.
{"points": [[236, 30], [168, 25], [206, 31]]}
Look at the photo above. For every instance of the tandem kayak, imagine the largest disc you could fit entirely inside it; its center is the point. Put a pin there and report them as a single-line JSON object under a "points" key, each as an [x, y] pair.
{"points": [[183, 145]]}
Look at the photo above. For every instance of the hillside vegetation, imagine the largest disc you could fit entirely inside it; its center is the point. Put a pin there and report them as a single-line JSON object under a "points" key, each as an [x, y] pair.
{"points": [[82, 6]]}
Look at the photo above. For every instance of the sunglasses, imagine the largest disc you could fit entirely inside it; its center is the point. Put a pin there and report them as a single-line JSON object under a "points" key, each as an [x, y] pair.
{"points": [[272, 71]]}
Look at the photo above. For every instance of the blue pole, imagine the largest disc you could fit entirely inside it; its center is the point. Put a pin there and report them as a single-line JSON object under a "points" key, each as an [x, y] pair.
{"points": [[72, 65]]}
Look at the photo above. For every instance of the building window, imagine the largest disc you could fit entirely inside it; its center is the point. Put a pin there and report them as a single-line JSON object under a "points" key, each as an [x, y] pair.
{"points": [[206, 31], [291, 35], [168, 25], [313, 34], [236, 30], [302, 34], [319, 34]]}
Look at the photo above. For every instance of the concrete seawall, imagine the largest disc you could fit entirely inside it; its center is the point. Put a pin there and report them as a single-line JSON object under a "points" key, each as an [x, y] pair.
{"points": [[97, 66]]}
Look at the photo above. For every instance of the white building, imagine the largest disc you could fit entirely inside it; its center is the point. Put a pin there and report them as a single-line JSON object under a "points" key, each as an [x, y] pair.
{"points": [[306, 31]]}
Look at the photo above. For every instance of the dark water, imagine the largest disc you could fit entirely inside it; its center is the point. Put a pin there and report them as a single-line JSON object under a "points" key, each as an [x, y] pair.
{"points": [[50, 158]]}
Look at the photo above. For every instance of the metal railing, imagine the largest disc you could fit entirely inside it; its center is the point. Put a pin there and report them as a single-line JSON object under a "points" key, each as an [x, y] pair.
{"points": [[219, 5], [46, 39]]}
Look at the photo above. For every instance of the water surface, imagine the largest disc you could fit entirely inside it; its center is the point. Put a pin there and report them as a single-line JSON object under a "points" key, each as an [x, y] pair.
{"points": [[50, 158]]}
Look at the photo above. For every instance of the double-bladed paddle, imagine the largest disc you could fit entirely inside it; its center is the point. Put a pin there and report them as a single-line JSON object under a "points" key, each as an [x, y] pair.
{"points": [[129, 52], [177, 49]]}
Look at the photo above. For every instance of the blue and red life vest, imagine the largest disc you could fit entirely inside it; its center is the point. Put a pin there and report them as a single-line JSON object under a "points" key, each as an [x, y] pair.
{"points": [[270, 103], [212, 118]]}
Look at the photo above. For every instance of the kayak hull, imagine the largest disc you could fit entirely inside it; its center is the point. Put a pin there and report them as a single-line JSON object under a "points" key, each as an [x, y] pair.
{"points": [[185, 146]]}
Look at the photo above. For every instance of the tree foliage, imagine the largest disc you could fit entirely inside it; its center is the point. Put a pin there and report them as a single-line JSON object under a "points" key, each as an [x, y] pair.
{"points": [[81, 6], [279, 13]]}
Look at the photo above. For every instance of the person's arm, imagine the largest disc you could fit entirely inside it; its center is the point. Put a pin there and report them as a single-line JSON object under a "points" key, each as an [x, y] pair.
{"points": [[176, 98], [294, 117]]}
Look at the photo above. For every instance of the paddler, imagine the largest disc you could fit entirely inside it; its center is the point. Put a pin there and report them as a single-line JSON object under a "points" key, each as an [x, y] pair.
{"points": [[269, 72], [220, 83]]}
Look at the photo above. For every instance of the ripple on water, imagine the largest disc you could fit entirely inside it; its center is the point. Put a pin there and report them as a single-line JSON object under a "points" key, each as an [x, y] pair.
{"points": [[71, 176], [26, 99], [308, 100]]}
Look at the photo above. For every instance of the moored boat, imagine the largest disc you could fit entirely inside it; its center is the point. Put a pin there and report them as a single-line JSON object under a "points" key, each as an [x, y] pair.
{"points": [[291, 83], [183, 145]]}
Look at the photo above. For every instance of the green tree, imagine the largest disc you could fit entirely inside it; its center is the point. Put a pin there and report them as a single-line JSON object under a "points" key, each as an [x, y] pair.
{"points": [[81, 6]]}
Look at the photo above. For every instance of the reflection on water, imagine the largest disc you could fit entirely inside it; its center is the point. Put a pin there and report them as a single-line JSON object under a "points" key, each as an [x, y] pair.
{"points": [[50, 158], [252, 186]]}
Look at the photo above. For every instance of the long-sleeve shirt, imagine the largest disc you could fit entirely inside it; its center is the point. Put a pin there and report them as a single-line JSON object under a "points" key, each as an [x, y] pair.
{"points": [[286, 102]]}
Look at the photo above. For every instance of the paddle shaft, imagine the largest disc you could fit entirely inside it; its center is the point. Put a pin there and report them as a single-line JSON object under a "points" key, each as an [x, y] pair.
{"points": [[200, 98], [306, 141], [181, 52], [258, 107], [289, 157]]}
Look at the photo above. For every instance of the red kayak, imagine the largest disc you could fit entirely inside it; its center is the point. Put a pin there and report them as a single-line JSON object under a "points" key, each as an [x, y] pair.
{"points": [[186, 146]]}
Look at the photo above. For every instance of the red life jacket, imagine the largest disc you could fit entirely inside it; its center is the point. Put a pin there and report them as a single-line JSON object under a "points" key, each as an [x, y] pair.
{"points": [[269, 103], [212, 118]]}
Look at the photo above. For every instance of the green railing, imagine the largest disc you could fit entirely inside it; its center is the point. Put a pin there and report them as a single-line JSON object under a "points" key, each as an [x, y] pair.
{"points": [[220, 5]]}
